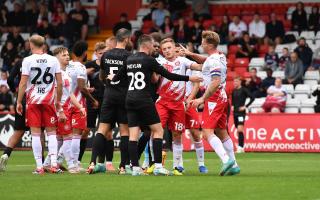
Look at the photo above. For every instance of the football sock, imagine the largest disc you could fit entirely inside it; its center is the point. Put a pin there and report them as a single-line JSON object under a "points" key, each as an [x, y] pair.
{"points": [[151, 150], [177, 152], [216, 144], [98, 147], [124, 151], [75, 147], [83, 146], [8, 151], [52, 148], [66, 149], [157, 149], [60, 142], [228, 146], [109, 150], [143, 141], [241, 139], [37, 150], [133, 153], [146, 154], [200, 152]]}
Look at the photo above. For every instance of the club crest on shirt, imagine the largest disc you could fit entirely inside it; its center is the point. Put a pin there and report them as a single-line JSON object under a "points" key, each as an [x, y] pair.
{"points": [[168, 67], [211, 106], [177, 63]]}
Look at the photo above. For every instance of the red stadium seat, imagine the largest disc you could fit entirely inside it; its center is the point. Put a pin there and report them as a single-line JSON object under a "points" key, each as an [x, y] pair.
{"points": [[146, 26], [247, 19], [230, 63], [207, 23], [234, 11], [265, 18], [233, 49], [263, 49], [241, 63], [231, 56], [240, 70]]}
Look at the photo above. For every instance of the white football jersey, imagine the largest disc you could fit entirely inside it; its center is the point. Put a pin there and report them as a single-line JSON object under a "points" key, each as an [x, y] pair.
{"points": [[189, 84], [174, 90], [66, 89], [77, 70], [41, 70], [216, 65]]}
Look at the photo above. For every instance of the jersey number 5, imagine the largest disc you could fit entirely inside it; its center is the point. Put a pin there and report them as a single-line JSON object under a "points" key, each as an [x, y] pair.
{"points": [[47, 77], [137, 81]]}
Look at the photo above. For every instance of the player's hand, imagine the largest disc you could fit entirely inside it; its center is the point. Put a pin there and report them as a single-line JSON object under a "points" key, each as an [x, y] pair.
{"points": [[91, 90], [196, 102], [95, 104], [83, 112], [62, 117], [188, 103], [195, 79], [19, 108], [110, 77], [242, 108], [185, 50]]}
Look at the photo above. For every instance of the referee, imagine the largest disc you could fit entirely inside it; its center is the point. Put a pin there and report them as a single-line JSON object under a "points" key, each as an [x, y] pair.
{"points": [[239, 96]]}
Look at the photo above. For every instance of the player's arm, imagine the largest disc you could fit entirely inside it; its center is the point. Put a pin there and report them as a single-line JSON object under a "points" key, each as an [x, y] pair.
{"points": [[194, 92], [13, 74], [195, 66], [197, 57], [59, 90], [75, 102], [122, 73], [84, 90], [21, 92], [249, 94]]}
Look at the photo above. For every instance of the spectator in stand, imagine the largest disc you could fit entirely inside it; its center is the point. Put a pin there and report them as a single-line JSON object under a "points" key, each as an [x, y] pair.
{"points": [[196, 32], [167, 27], [153, 5], [314, 19], [316, 59], [47, 31], [271, 59], [253, 82], [16, 38], [284, 58], [181, 32], [43, 13], [176, 7], [299, 18], [4, 78], [159, 14], [54, 5], [257, 28], [6, 100], [3, 19], [200, 10], [274, 28], [9, 4], [266, 83], [32, 16], [316, 93], [8, 54], [17, 17], [64, 32], [57, 15], [80, 17], [293, 70], [224, 30], [236, 29], [123, 23], [276, 99], [304, 53], [247, 47], [26, 51]]}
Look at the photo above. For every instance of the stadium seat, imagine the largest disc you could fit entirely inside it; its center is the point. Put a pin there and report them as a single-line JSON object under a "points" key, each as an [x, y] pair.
{"points": [[3, 38], [233, 49], [256, 63], [289, 88], [230, 63], [278, 74], [311, 82], [256, 105], [302, 89], [318, 35], [308, 35], [53, 47], [142, 12], [223, 49], [292, 106], [292, 110], [25, 36], [241, 62], [307, 106], [240, 71], [263, 49], [295, 33], [301, 97], [279, 48], [262, 74], [312, 75], [314, 87], [307, 110]]}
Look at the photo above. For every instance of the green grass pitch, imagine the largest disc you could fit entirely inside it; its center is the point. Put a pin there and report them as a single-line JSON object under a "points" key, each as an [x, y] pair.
{"points": [[269, 176]]}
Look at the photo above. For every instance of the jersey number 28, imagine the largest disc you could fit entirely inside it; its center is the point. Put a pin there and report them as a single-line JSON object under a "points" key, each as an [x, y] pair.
{"points": [[47, 77], [137, 81]]}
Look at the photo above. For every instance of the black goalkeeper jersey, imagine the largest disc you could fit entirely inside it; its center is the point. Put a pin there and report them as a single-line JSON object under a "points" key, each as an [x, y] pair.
{"points": [[139, 70], [111, 62], [239, 97]]}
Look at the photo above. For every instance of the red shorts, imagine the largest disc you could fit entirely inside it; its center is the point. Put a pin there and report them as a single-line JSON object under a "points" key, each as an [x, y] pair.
{"points": [[215, 114], [77, 120], [171, 114], [192, 118], [66, 127], [41, 115]]}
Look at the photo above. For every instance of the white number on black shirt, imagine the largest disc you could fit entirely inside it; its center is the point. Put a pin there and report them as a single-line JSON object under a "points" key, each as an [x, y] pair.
{"points": [[113, 70], [137, 81]]}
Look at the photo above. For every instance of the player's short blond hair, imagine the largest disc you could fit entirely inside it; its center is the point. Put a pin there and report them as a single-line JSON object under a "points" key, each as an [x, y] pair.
{"points": [[37, 40], [211, 37], [100, 46], [59, 50], [167, 40]]}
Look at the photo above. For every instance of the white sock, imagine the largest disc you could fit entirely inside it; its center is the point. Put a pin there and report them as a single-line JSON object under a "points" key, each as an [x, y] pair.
{"points": [[200, 152], [66, 149], [151, 149], [177, 153], [53, 148], [228, 146], [75, 147], [158, 165], [47, 161], [37, 150], [216, 144]]}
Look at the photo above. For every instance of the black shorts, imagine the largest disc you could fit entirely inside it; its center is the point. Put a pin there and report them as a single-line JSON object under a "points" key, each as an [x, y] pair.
{"points": [[239, 119], [20, 120], [92, 116], [113, 113], [142, 115]]}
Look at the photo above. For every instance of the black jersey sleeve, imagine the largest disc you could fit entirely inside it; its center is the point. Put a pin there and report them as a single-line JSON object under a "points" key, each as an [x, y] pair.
{"points": [[13, 74], [248, 94], [159, 69]]}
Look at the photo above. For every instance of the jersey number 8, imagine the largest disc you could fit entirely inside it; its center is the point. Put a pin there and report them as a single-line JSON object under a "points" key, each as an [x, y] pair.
{"points": [[137, 81], [47, 77]]}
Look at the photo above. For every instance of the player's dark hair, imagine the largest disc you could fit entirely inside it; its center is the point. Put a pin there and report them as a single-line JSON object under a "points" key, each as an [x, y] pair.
{"points": [[156, 36], [144, 39], [122, 34], [79, 48]]}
